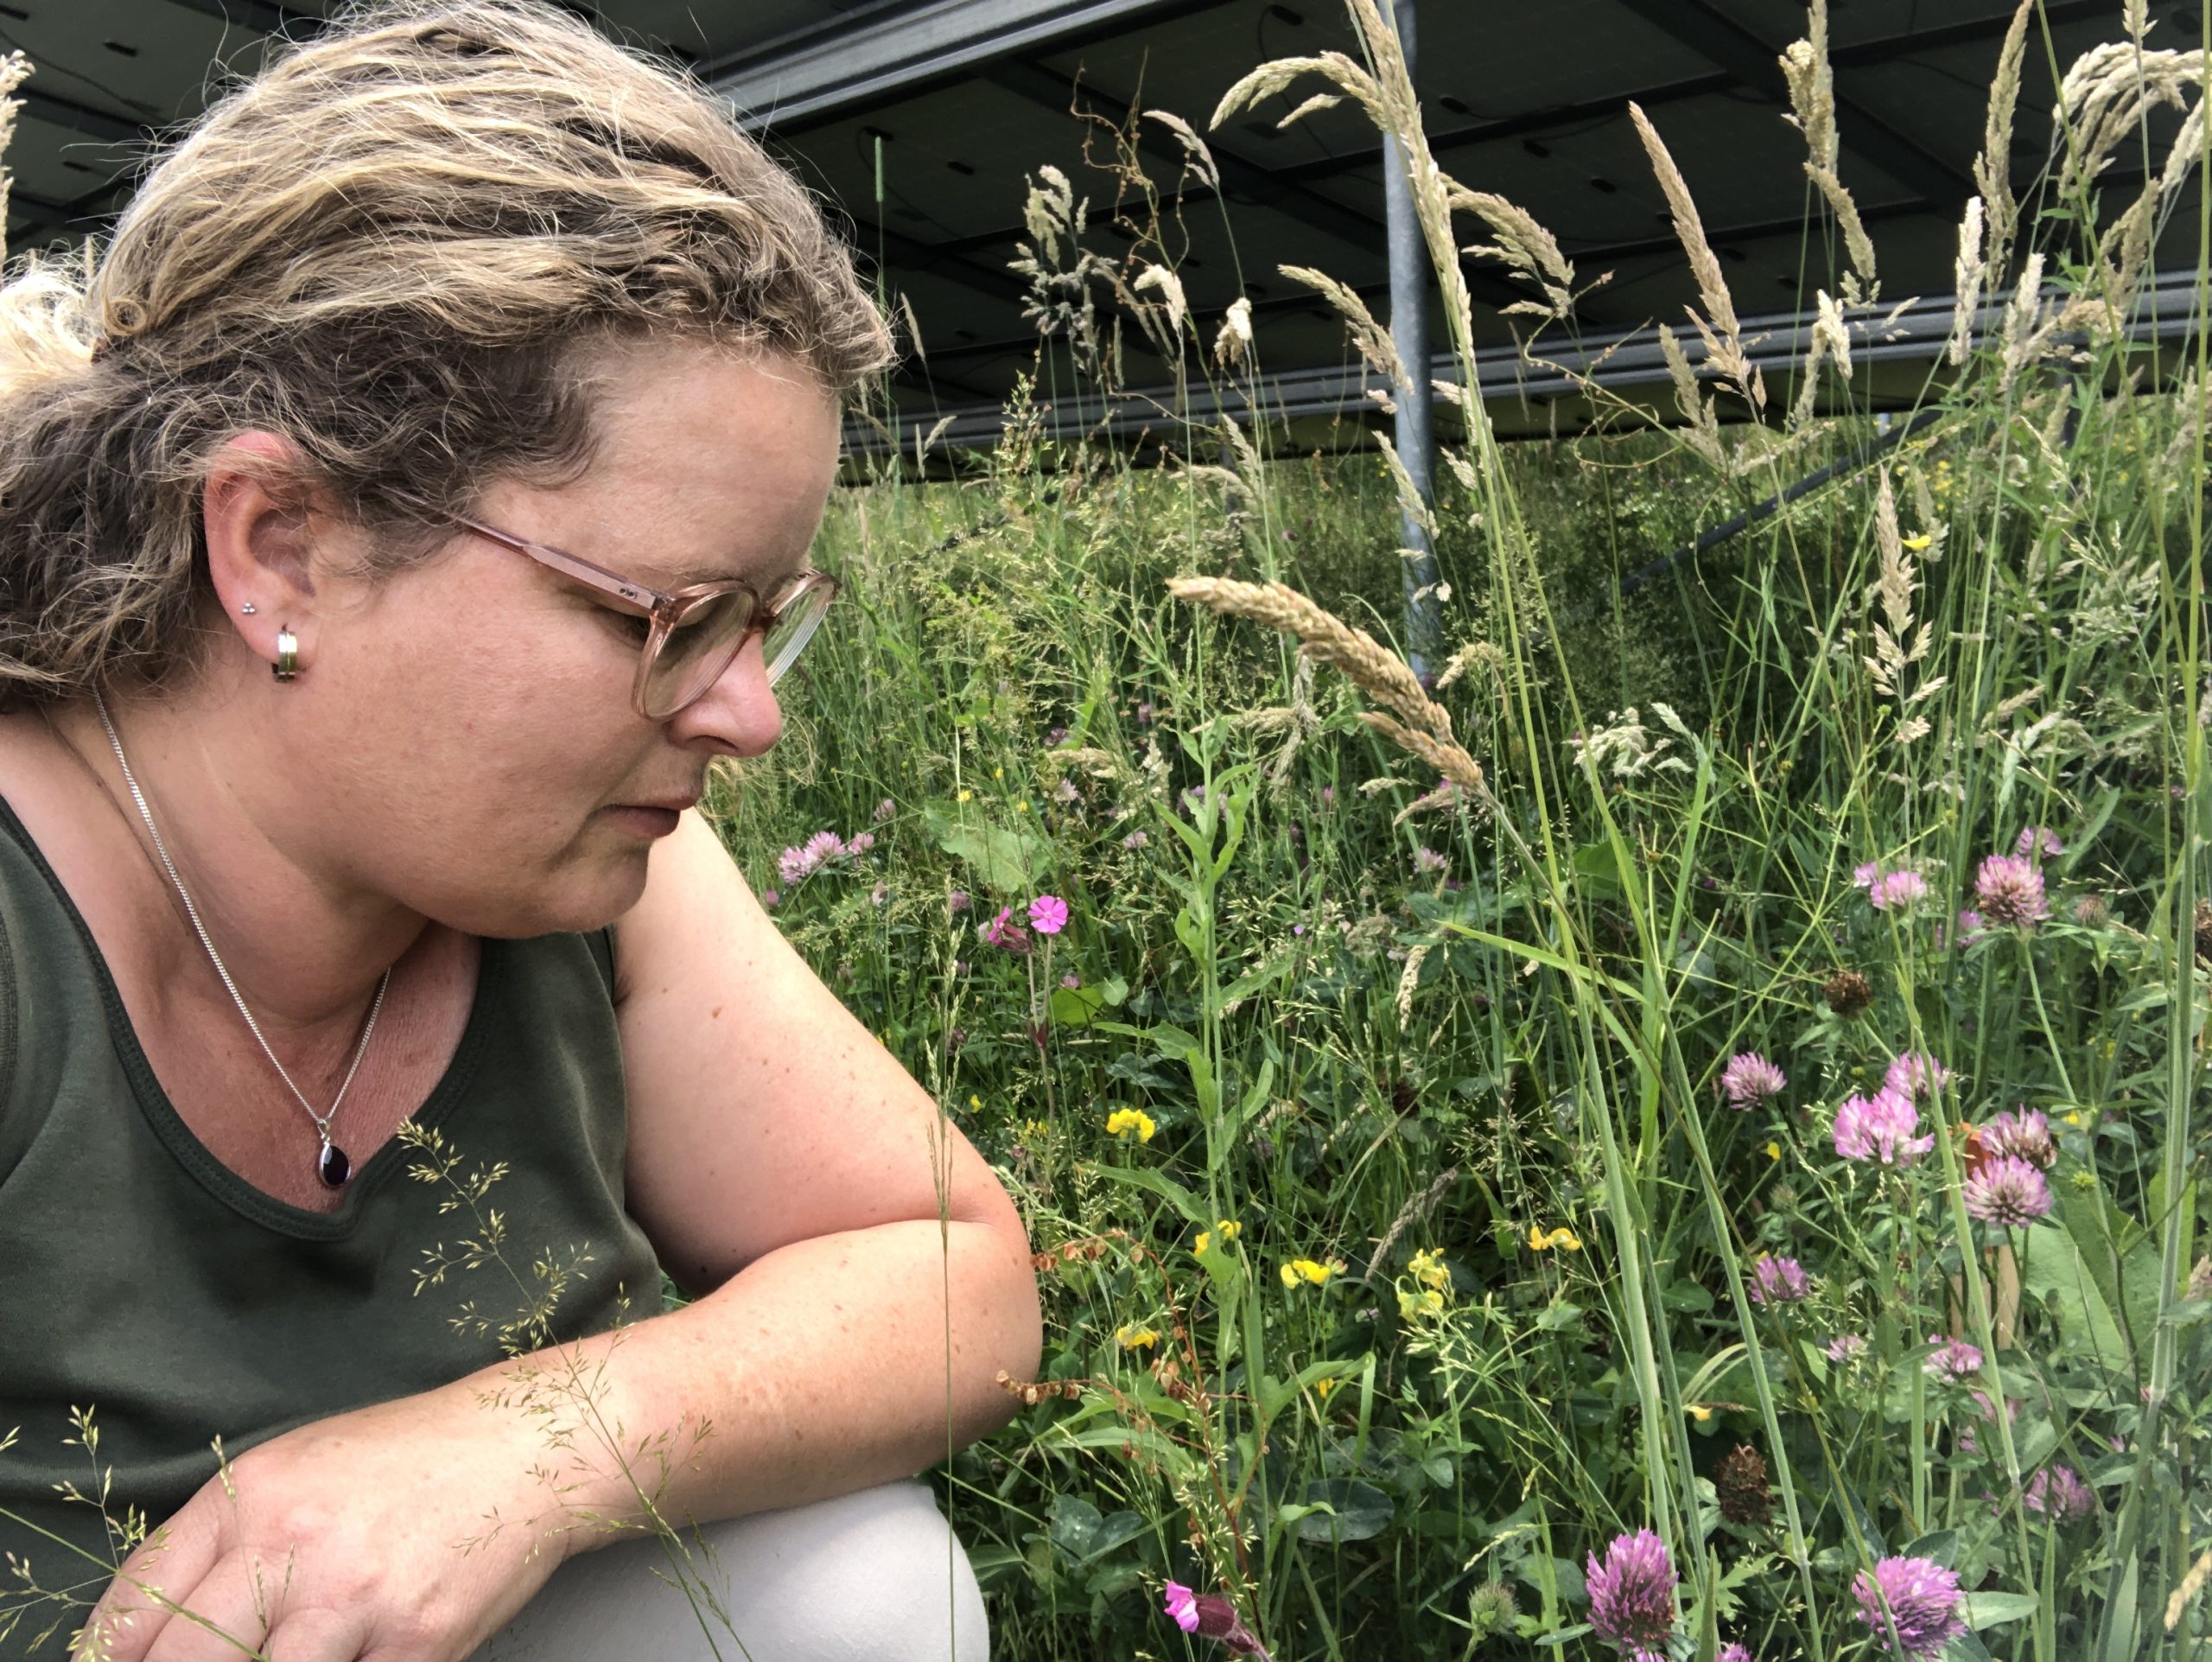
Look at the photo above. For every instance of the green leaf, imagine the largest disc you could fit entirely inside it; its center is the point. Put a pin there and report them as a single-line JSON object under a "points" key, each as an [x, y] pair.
{"points": [[1989, 1610], [1074, 1007], [1079, 1532], [1167, 1188], [998, 857], [1355, 1511]]}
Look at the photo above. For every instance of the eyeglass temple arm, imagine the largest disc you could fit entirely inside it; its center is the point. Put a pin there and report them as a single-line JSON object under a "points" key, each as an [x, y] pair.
{"points": [[598, 577]]}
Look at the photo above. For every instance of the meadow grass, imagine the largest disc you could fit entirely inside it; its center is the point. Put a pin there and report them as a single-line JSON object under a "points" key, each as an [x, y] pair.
{"points": [[1410, 1228]]}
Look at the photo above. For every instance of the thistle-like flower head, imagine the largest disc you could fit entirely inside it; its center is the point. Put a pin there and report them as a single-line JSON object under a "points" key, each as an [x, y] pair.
{"points": [[1921, 1600], [1632, 1596]]}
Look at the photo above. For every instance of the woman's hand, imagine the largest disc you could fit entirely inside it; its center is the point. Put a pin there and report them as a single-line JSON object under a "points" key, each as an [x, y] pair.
{"points": [[411, 1531]]}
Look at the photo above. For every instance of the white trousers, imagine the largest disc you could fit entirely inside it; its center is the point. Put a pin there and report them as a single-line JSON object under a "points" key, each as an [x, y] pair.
{"points": [[876, 1575]]}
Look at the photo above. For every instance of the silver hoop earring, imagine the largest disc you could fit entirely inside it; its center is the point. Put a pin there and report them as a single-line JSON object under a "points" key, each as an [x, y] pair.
{"points": [[286, 666], [246, 610]]}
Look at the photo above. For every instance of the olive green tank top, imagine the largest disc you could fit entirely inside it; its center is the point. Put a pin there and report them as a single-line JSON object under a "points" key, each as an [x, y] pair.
{"points": [[142, 1280]]}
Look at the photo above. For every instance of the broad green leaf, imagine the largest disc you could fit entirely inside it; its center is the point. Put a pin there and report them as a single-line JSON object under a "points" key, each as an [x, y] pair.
{"points": [[1343, 1509], [998, 858], [1988, 1609], [1167, 1187]]}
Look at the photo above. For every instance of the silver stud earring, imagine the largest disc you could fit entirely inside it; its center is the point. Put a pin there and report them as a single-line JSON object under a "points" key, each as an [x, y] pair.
{"points": [[247, 609]]}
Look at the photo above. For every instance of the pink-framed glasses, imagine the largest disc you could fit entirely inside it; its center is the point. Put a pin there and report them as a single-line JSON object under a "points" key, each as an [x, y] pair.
{"points": [[695, 633]]}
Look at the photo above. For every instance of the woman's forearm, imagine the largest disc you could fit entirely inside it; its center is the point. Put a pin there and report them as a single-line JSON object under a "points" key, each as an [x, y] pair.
{"points": [[823, 1367]]}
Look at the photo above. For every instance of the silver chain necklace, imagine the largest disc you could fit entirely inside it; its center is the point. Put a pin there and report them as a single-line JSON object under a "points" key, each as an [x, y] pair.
{"points": [[332, 1165]]}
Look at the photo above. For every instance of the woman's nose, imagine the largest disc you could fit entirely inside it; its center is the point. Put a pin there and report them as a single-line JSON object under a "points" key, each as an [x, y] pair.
{"points": [[738, 713]]}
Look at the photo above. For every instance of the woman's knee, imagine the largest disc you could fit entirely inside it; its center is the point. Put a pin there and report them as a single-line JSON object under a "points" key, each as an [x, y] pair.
{"points": [[876, 1575]]}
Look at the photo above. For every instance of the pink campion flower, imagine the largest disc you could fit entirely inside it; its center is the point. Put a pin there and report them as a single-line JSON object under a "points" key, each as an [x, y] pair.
{"points": [[1048, 914], [1880, 1128], [1917, 1075], [1209, 1617], [2039, 843], [2058, 1493], [1749, 1080], [1899, 888], [2008, 891], [2024, 1133], [1952, 1359], [1779, 1281], [1845, 1348], [1003, 931], [1921, 1599], [2008, 1192], [1632, 1596]]}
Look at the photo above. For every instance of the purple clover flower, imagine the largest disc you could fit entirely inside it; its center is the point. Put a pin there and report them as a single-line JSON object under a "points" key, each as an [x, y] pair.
{"points": [[2008, 891], [1917, 1076], [1921, 1598], [1952, 1359], [1898, 888], [2025, 1134], [1880, 1128], [2008, 1192], [1632, 1596], [1732, 1651], [1845, 1348], [1427, 859], [1972, 926], [2039, 843], [1779, 1281], [1749, 1080], [2059, 1494]]}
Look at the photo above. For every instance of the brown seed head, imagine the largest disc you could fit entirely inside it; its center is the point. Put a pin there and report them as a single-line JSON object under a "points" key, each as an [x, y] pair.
{"points": [[1848, 992], [1739, 1482]]}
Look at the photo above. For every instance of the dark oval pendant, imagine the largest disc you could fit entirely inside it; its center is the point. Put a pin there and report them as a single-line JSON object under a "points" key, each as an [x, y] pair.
{"points": [[333, 1167]]}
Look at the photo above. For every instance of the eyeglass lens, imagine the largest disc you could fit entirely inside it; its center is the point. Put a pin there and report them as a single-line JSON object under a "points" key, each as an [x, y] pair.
{"points": [[708, 636]]}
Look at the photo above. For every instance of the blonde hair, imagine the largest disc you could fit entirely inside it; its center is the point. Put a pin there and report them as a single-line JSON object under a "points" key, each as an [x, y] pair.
{"points": [[396, 246]]}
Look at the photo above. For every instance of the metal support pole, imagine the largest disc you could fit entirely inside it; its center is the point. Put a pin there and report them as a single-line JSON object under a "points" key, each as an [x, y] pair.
{"points": [[1415, 434]]}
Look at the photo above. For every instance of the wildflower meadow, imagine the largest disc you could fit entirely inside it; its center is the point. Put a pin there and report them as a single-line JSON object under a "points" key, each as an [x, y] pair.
{"points": [[1675, 1135]]}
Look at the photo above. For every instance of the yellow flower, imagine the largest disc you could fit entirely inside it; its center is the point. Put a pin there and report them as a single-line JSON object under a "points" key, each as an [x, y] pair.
{"points": [[1033, 1128], [1699, 1412], [1540, 1241], [1774, 1151], [974, 1101], [998, 772], [1021, 807], [1123, 1121], [1205, 1239], [1428, 1268], [1129, 1338], [1299, 1269], [1413, 1307], [1322, 1387], [964, 796], [1917, 545], [1230, 1229]]}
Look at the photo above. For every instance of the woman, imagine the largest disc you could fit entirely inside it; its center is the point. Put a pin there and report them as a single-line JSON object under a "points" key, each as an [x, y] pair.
{"points": [[408, 508]]}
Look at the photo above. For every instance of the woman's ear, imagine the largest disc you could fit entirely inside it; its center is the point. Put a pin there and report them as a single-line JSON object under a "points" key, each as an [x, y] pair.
{"points": [[260, 515]]}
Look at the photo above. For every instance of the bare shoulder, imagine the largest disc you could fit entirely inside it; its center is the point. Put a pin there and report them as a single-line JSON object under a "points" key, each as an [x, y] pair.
{"points": [[761, 1111]]}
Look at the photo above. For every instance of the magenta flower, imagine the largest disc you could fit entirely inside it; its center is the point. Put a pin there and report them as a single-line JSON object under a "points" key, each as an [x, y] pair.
{"points": [[1898, 889], [956, 902], [1845, 1348], [2058, 1493], [1863, 877], [1916, 1076], [2008, 1192], [1426, 861], [2025, 1134], [1972, 925], [1632, 1596], [2038, 843], [1732, 1651], [1003, 931], [771, 899], [1209, 1617], [793, 865], [1779, 1281], [1880, 1128], [1048, 914], [1952, 1359], [1921, 1600], [2008, 891], [1749, 1080]]}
